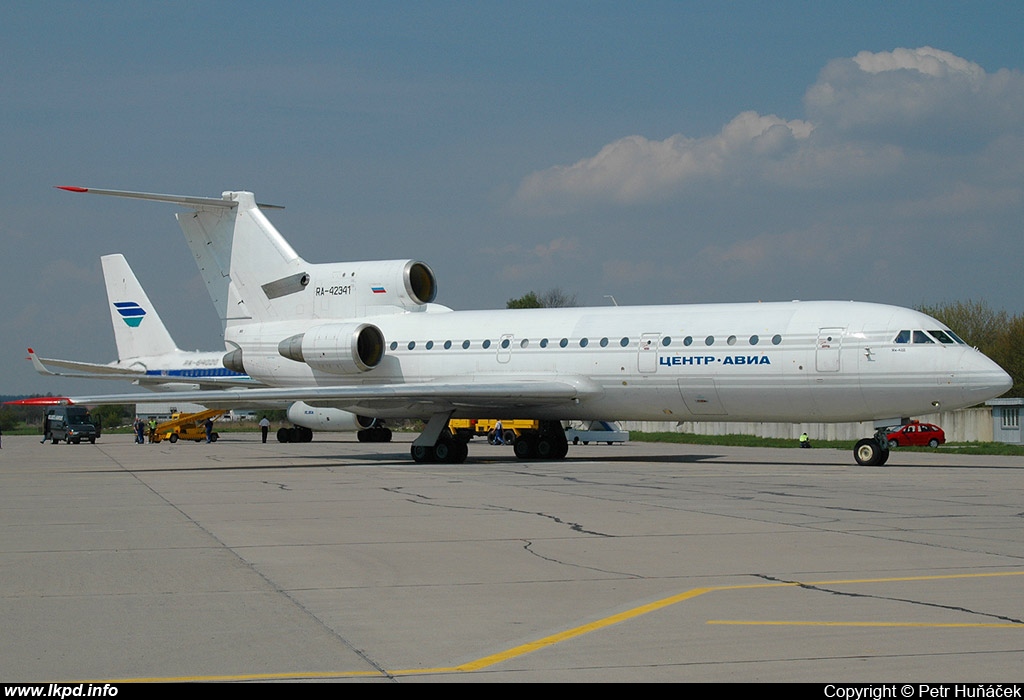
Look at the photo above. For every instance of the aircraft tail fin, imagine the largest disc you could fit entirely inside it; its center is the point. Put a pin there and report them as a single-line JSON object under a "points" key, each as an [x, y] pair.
{"points": [[250, 270], [138, 329]]}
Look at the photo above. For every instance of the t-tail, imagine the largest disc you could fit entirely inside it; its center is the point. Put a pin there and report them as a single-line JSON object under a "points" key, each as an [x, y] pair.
{"points": [[138, 329], [254, 275]]}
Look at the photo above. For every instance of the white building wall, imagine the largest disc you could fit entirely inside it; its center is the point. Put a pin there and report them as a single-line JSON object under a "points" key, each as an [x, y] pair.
{"points": [[965, 425]]}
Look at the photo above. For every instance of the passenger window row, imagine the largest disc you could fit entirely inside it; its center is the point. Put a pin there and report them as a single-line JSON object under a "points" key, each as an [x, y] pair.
{"points": [[506, 343]]}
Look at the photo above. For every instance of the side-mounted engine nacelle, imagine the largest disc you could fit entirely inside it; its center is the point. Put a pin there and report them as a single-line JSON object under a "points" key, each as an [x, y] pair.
{"points": [[336, 348]]}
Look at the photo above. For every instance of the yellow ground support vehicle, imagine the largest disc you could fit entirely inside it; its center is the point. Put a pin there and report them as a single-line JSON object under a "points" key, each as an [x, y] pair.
{"points": [[472, 427], [187, 426]]}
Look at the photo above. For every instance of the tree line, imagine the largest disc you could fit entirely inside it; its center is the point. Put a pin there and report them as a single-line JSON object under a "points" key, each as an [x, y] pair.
{"points": [[995, 333]]}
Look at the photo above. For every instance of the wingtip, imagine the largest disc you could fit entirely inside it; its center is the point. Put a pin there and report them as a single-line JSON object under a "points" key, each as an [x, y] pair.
{"points": [[71, 188], [42, 401]]}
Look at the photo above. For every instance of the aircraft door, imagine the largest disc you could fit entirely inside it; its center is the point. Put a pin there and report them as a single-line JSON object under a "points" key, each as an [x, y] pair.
{"points": [[647, 353], [505, 348], [826, 354]]}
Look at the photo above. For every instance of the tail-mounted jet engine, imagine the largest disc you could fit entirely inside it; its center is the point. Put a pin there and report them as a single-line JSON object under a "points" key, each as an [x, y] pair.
{"points": [[336, 348]]}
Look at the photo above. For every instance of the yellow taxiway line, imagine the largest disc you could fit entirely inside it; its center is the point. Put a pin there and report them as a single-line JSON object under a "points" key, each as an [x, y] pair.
{"points": [[565, 635]]}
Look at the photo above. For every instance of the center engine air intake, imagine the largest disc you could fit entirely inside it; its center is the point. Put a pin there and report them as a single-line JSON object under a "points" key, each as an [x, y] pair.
{"points": [[420, 282], [337, 348]]}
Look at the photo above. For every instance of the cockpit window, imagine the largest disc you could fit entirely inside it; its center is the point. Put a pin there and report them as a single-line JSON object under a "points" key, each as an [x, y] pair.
{"points": [[941, 337], [955, 337], [922, 337], [902, 337]]}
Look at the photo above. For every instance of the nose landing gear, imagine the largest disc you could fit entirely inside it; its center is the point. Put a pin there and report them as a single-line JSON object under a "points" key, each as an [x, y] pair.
{"points": [[872, 451]]}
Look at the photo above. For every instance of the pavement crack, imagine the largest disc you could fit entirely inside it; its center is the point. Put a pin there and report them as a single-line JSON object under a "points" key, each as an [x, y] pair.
{"points": [[528, 547], [910, 601]]}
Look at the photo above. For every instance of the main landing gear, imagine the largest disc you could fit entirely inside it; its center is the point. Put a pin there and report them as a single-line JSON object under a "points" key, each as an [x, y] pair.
{"points": [[448, 450], [377, 433], [437, 444], [296, 433], [872, 451], [547, 442]]}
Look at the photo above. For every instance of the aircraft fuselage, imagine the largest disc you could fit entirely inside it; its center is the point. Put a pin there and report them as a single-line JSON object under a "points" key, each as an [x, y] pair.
{"points": [[791, 361]]}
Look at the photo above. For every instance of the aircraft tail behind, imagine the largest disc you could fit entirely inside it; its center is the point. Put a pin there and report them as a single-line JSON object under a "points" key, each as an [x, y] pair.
{"points": [[138, 330]]}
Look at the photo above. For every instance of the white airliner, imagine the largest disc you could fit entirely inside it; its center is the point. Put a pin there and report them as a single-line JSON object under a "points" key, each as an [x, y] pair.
{"points": [[149, 357], [365, 337]]}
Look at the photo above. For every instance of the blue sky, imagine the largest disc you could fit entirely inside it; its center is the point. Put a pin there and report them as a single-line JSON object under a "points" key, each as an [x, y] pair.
{"points": [[659, 152]]}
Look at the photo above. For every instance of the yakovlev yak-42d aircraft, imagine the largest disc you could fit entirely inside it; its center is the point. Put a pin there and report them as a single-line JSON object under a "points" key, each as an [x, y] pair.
{"points": [[366, 337], [148, 356]]}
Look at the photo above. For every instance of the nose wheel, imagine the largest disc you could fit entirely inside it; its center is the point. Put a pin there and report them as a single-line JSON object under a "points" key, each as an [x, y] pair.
{"points": [[872, 451]]}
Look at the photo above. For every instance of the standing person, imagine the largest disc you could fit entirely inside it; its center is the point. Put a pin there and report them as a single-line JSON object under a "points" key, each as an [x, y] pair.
{"points": [[152, 429], [499, 439], [805, 441], [208, 427], [140, 430], [264, 428]]}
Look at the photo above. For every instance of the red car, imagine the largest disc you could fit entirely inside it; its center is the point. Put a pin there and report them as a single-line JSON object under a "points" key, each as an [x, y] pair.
{"points": [[920, 434]]}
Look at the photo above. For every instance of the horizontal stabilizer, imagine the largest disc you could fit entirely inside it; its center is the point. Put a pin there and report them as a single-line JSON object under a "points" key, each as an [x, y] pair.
{"points": [[71, 368], [184, 200]]}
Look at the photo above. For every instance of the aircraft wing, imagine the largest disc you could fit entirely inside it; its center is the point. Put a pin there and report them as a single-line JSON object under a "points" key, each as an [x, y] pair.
{"points": [[422, 399]]}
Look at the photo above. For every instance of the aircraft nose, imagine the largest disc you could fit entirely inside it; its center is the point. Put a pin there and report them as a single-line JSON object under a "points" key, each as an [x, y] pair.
{"points": [[982, 378]]}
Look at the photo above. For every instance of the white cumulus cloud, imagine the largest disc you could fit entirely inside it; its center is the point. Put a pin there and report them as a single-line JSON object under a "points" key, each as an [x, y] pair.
{"points": [[868, 118], [635, 168]]}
